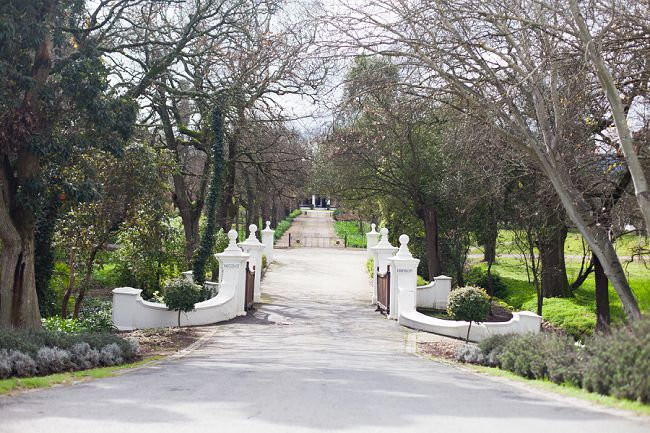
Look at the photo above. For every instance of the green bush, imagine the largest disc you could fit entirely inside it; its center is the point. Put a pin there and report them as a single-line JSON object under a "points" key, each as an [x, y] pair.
{"points": [[265, 261], [59, 324], [181, 295], [492, 348], [421, 281], [96, 315], [619, 364], [478, 277], [469, 303], [370, 267], [524, 356], [284, 225]]}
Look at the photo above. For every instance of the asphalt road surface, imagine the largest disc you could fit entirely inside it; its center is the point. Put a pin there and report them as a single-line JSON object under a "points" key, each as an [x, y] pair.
{"points": [[314, 357]]}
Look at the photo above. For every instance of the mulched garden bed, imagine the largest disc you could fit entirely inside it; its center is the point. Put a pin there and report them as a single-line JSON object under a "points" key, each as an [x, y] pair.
{"points": [[165, 341]]}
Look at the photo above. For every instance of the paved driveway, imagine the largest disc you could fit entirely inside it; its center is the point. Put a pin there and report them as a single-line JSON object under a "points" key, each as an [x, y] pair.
{"points": [[313, 358]]}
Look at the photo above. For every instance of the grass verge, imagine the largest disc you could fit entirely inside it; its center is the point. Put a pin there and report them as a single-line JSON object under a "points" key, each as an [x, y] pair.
{"points": [[23, 383]]}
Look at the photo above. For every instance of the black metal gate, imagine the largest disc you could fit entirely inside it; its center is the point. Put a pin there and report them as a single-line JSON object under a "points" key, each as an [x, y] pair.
{"points": [[315, 240]]}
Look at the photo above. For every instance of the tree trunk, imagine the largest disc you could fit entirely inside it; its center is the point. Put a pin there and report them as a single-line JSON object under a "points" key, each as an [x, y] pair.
{"points": [[602, 297], [70, 287], [553, 274], [190, 229], [430, 218], [18, 298], [82, 290]]}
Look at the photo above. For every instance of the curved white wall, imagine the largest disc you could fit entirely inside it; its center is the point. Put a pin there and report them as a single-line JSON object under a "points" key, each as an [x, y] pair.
{"points": [[130, 311]]}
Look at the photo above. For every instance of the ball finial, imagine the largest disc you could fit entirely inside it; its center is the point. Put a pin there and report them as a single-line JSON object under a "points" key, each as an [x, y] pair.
{"points": [[384, 232], [372, 227], [252, 228], [268, 225], [232, 236], [404, 240]]}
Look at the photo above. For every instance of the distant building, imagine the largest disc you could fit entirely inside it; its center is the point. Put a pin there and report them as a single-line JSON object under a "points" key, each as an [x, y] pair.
{"points": [[317, 202]]}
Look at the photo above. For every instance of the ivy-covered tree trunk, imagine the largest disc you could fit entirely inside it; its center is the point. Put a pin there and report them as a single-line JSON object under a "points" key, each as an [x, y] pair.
{"points": [[430, 219], [212, 201]]}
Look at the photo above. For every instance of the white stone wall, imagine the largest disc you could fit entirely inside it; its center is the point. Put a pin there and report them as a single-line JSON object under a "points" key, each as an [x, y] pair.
{"points": [[130, 311]]}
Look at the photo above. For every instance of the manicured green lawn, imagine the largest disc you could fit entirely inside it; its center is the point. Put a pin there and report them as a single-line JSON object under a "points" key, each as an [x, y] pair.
{"points": [[356, 238], [575, 314], [625, 246]]}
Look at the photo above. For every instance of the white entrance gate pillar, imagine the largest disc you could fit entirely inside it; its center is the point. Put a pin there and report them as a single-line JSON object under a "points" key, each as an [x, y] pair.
{"points": [[403, 280], [267, 240], [372, 237], [254, 247], [232, 267], [380, 255]]}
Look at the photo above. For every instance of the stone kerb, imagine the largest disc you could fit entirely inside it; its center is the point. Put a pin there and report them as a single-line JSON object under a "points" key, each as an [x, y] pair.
{"points": [[268, 237], [372, 238], [232, 267], [380, 255], [404, 272], [255, 248]]}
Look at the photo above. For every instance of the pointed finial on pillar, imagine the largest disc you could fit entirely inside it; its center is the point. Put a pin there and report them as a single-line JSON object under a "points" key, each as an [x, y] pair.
{"points": [[268, 225], [372, 228]]}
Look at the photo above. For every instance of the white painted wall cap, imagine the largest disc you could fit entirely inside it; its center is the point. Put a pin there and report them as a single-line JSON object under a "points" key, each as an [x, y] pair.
{"points": [[127, 291]]}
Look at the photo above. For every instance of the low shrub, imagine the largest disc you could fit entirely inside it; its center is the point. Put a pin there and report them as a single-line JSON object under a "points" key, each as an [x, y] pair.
{"points": [[421, 281], [468, 303], [53, 360], [470, 354], [181, 295], [524, 356], [618, 364], [265, 261], [5, 364], [22, 365], [111, 354], [24, 353], [477, 276], [615, 364], [284, 225], [29, 342], [492, 347], [83, 356]]}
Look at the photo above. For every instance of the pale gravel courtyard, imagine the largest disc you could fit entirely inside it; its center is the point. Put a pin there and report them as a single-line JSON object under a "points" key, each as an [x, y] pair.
{"points": [[314, 357]]}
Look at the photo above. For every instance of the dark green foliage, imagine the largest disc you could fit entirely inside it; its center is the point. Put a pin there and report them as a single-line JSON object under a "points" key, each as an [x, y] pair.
{"points": [[96, 315], [478, 277], [284, 225], [543, 356], [181, 295], [615, 364], [44, 256], [207, 238], [469, 303], [619, 364]]}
